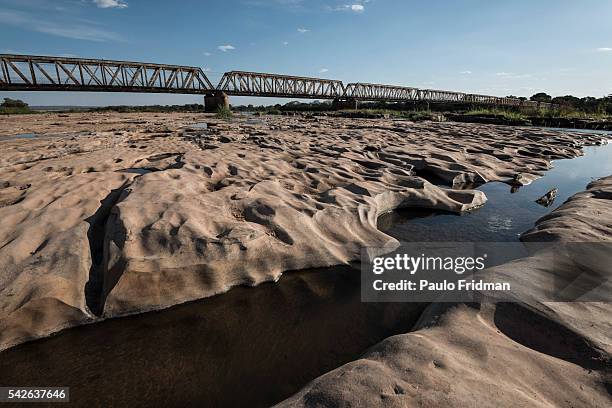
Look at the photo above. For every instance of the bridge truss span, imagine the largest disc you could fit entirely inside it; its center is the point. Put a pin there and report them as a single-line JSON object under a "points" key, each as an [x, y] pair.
{"points": [[437, 96], [379, 92], [49, 73], [242, 83], [40, 73], [504, 101]]}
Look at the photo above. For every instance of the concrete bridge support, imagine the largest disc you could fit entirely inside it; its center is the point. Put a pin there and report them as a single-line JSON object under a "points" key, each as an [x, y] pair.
{"points": [[344, 103], [214, 101]]}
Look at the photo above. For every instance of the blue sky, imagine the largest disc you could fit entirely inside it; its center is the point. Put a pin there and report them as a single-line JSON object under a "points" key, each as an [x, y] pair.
{"points": [[484, 46]]}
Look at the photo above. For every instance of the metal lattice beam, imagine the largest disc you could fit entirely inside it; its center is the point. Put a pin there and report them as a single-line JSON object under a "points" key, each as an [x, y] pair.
{"points": [[260, 84], [378, 92], [392, 93], [39, 73]]}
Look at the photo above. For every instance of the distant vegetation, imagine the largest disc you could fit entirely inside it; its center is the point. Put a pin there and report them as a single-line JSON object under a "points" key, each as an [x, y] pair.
{"points": [[415, 115], [149, 108], [572, 107], [293, 106], [563, 112], [497, 113], [586, 105], [224, 112], [569, 107], [14, 106]]}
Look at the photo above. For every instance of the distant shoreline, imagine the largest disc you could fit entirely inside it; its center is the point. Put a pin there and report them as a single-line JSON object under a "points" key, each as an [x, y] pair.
{"points": [[492, 116]]}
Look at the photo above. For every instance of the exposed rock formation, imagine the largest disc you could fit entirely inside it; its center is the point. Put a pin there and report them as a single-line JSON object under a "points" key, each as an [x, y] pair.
{"points": [[547, 199], [533, 353], [141, 211]]}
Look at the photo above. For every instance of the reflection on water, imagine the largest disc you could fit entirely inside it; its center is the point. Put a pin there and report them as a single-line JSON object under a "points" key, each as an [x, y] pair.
{"points": [[506, 215], [250, 347]]}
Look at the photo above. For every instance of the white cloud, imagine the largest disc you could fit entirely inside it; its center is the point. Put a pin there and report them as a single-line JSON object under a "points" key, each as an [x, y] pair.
{"points": [[285, 42], [466, 72], [605, 49], [323, 70], [303, 30], [206, 69], [226, 48], [110, 3], [207, 54], [511, 75], [77, 31], [357, 8]]}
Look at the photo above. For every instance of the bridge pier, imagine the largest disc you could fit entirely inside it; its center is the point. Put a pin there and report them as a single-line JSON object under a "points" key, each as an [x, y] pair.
{"points": [[214, 101], [344, 103]]}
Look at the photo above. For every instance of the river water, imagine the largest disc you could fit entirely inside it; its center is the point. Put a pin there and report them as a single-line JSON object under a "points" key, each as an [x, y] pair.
{"points": [[507, 214]]}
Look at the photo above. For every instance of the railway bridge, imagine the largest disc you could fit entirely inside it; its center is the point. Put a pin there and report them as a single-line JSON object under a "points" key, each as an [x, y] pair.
{"points": [[49, 73]]}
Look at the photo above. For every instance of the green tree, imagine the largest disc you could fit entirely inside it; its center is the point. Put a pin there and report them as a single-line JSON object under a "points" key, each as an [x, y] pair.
{"points": [[568, 100], [13, 103], [541, 97], [223, 112]]}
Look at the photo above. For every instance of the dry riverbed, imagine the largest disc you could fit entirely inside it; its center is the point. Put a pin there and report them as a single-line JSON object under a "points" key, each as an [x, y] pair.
{"points": [[107, 214]]}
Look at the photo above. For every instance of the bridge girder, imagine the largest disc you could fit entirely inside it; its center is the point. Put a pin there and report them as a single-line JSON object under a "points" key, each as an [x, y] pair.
{"points": [[40, 73], [242, 83], [378, 92], [48, 73]]}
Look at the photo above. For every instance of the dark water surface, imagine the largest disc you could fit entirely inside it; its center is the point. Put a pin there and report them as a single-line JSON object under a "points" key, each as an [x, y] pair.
{"points": [[250, 347], [253, 347], [506, 215]]}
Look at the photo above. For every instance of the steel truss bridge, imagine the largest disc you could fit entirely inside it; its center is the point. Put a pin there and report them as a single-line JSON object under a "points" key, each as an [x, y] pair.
{"points": [[48, 73]]}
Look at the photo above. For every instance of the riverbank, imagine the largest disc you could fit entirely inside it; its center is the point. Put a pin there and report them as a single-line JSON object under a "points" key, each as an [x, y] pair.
{"points": [[505, 118], [528, 120], [490, 117]]}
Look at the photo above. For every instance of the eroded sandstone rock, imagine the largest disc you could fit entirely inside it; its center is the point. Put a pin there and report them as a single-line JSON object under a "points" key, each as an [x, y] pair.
{"points": [[131, 212], [529, 353]]}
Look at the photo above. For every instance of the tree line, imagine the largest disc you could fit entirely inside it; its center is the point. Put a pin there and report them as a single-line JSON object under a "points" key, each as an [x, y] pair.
{"points": [[568, 103], [588, 104]]}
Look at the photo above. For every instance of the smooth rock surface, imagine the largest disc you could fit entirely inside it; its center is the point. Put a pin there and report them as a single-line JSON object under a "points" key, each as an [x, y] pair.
{"points": [[106, 214], [529, 354]]}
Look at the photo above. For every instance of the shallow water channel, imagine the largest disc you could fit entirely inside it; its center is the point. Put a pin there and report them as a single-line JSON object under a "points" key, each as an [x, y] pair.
{"points": [[256, 346], [506, 214]]}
